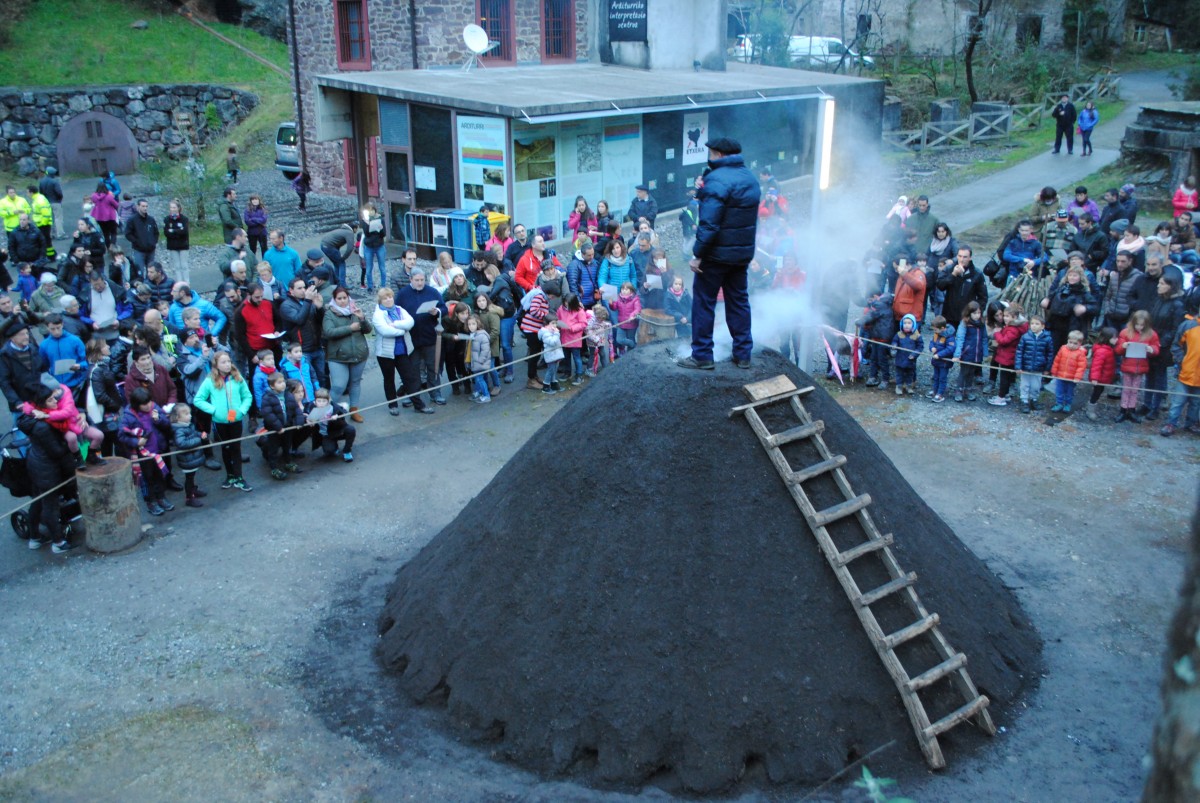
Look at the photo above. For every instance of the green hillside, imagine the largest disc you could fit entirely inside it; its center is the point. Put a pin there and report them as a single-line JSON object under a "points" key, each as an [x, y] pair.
{"points": [[69, 42]]}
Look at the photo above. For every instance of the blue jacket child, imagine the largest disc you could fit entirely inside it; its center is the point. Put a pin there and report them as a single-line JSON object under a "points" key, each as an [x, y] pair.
{"points": [[907, 346], [943, 345], [1035, 352], [971, 345]]}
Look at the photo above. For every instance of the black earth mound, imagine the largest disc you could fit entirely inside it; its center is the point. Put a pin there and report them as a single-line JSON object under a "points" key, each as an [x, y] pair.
{"points": [[635, 594]]}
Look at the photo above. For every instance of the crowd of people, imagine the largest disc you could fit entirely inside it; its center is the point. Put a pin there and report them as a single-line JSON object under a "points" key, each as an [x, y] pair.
{"points": [[1079, 295], [112, 351]]}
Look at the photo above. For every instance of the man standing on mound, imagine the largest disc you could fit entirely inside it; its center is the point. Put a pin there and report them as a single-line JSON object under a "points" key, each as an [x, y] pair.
{"points": [[728, 194]]}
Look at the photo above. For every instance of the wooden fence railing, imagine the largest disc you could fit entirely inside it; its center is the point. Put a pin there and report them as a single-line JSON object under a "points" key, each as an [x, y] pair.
{"points": [[997, 124]]}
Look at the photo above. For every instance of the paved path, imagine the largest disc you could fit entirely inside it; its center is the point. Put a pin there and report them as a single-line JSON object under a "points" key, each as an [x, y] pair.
{"points": [[1001, 193]]}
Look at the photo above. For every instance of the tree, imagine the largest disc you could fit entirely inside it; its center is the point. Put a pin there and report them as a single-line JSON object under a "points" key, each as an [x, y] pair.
{"points": [[974, 37], [1175, 749]]}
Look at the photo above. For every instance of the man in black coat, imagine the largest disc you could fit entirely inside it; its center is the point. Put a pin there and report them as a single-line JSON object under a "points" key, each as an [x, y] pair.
{"points": [[141, 231], [643, 205], [25, 243], [21, 363], [729, 197], [1064, 115], [962, 283]]}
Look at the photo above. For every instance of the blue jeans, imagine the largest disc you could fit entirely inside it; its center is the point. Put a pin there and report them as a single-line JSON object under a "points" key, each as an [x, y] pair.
{"points": [[941, 377], [1064, 392], [713, 279], [627, 338], [316, 358], [346, 378], [375, 255], [481, 385], [339, 265], [576, 357], [881, 361], [551, 375], [507, 327], [1156, 380], [1185, 394]]}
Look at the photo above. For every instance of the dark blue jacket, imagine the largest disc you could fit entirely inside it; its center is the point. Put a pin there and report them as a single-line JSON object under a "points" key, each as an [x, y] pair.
{"points": [[1035, 353], [972, 342], [728, 213], [879, 322], [275, 416], [584, 278], [942, 346], [907, 348]]}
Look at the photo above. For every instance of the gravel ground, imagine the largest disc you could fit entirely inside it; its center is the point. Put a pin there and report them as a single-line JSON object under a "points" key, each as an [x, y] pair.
{"points": [[230, 656]]}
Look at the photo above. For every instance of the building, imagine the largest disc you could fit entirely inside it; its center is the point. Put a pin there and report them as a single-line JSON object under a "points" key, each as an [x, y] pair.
{"points": [[1143, 34], [573, 98]]}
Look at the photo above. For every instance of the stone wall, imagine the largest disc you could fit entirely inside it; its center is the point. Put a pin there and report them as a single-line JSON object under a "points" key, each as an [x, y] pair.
{"points": [[439, 25], [30, 119]]}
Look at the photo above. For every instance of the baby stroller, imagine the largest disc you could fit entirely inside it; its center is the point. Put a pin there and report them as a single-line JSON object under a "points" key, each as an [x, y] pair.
{"points": [[13, 476]]}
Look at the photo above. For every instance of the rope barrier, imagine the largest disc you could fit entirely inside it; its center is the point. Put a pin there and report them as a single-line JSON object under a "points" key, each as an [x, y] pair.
{"points": [[293, 428], [502, 366], [989, 366]]}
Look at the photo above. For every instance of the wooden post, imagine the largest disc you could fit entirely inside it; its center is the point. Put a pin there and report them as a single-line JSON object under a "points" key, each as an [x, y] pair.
{"points": [[108, 500], [655, 325]]}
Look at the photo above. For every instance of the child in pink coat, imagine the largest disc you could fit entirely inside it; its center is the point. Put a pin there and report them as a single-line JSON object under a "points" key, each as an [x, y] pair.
{"points": [[572, 323], [628, 307], [61, 413]]}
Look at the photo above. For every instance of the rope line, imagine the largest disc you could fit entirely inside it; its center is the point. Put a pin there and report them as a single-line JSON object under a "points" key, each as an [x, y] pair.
{"points": [[293, 428], [1002, 368]]}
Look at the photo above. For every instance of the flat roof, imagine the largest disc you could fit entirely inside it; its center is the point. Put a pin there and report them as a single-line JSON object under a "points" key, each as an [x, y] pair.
{"points": [[570, 90]]}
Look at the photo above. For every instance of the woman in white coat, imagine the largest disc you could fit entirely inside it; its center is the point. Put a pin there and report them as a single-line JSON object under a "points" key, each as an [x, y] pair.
{"points": [[393, 350]]}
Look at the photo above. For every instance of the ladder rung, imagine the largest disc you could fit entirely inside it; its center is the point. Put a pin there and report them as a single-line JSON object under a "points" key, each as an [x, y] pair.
{"points": [[911, 632], [956, 717], [871, 597], [841, 510], [865, 548], [951, 664], [796, 433], [817, 469], [741, 408]]}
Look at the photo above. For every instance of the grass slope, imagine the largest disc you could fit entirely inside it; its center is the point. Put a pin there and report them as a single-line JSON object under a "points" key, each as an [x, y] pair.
{"points": [[68, 42]]}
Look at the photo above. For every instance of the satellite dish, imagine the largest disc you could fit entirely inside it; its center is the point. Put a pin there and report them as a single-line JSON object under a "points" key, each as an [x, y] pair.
{"points": [[477, 42], [476, 39]]}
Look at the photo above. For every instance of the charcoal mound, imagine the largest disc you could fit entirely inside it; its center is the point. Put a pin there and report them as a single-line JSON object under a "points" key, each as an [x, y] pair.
{"points": [[636, 595]]}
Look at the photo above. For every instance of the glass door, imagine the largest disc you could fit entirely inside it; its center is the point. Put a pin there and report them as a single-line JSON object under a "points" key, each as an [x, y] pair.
{"points": [[397, 189]]}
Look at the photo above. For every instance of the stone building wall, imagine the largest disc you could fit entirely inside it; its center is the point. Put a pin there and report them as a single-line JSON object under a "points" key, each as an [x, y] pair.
{"points": [[30, 119], [439, 25]]}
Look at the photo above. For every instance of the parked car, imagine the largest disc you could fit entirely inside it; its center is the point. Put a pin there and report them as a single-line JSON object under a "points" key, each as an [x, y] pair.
{"points": [[287, 150], [743, 48], [824, 51], [806, 51]]}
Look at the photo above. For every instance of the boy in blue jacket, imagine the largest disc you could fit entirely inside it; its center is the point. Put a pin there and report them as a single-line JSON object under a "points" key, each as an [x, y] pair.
{"points": [[907, 345], [878, 325], [942, 347], [970, 350], [1035, 356]]}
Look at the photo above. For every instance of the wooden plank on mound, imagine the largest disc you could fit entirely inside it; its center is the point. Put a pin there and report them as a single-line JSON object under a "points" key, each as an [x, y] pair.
{"points": [[775, 386]]}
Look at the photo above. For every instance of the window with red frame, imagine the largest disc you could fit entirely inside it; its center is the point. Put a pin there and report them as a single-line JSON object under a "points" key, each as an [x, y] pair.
{"points": [[558, 30], [350, 156], [351, 35], [496, 17]]}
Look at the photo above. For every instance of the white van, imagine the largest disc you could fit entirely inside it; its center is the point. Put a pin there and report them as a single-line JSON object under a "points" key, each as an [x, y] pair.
{"points": [[287, 151], [824, 51]]}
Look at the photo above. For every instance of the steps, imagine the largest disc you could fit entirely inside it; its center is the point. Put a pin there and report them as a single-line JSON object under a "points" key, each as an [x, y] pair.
{"points": [[874, 546]]}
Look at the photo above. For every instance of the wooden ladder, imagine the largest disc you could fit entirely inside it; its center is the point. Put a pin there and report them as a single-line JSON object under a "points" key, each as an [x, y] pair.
{"points": [[877, 546]]}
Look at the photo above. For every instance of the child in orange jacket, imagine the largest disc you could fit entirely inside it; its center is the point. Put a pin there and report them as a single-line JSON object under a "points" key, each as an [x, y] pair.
{"points": [[1070, 366]]}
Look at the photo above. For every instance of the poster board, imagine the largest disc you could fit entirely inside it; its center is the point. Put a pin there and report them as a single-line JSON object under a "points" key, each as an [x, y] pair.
{"points": [[695, 134], [482, 171], [627, 20]]}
